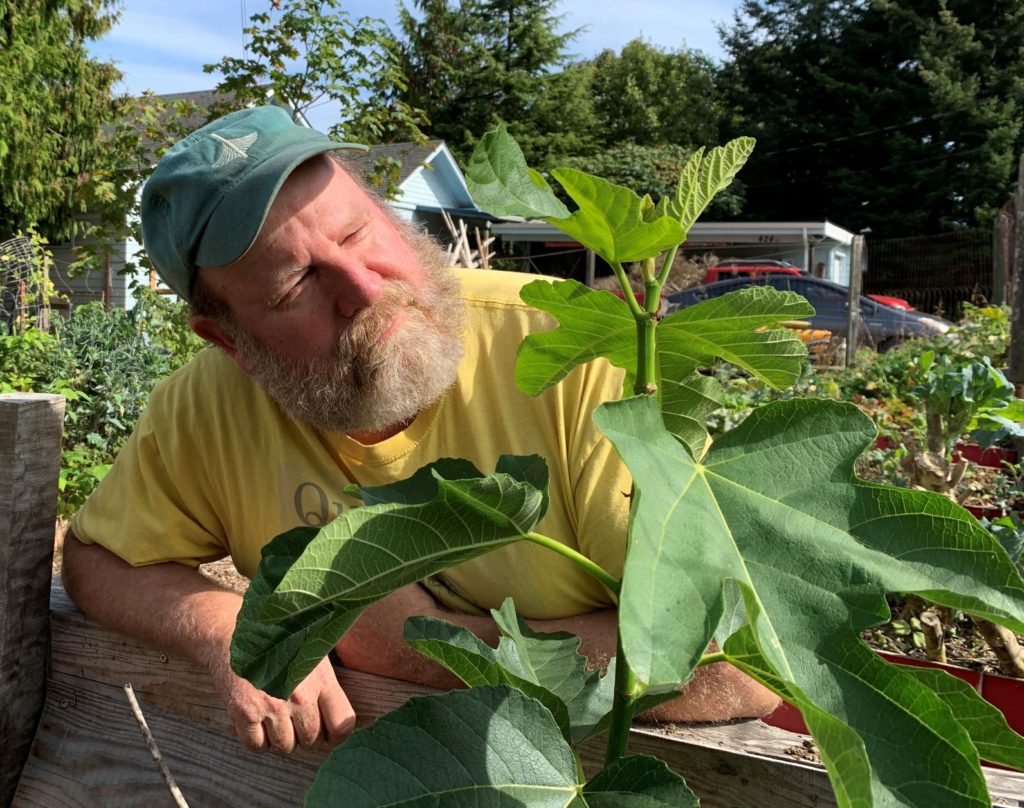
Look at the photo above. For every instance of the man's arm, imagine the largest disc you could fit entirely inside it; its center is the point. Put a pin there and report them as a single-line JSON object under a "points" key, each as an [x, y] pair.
{"points": [[176, 608], [374, 644]]}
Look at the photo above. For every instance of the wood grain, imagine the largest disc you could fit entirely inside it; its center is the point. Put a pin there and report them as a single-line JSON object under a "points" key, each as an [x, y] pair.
{"points": [[31, 427], [89, 752]]}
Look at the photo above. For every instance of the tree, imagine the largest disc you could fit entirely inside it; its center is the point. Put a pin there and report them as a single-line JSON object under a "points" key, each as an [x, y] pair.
{"points": [[901, 116], [54, 103], [310, 52], [481, 62], [651, 97]]}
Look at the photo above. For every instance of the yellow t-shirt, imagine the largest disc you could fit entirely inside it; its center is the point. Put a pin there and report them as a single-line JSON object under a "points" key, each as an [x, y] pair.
{"points": [[215, 468]]}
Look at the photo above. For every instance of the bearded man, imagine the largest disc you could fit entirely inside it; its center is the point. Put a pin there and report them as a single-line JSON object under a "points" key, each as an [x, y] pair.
{"points": [[345, 352]]}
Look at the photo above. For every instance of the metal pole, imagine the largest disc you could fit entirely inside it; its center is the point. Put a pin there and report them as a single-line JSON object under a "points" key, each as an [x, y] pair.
{"points": [[853, 301]]}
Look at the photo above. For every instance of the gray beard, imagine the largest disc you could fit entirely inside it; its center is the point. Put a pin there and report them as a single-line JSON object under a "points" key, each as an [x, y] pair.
{"points": [[371, 384]]}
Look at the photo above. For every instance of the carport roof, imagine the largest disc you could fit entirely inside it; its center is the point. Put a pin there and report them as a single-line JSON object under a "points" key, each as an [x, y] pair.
{"points": [[708, 234]]}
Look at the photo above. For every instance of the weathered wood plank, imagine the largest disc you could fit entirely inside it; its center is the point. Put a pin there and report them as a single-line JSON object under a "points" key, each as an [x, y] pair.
{"points": [[31, 426], [89, 753], [742, 764]]}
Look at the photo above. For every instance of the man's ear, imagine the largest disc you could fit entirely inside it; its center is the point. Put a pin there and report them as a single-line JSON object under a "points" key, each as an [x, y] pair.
{"points": [[212, 331]]}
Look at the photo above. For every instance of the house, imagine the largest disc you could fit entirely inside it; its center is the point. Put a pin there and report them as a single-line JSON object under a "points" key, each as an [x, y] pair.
{"points": [[429, 182]]}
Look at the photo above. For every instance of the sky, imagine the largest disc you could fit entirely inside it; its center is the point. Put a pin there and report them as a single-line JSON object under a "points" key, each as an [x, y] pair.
{"points": [[162, 45]]}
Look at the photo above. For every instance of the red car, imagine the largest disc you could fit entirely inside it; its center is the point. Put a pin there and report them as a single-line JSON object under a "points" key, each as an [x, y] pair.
{"points": [[739, 268]]}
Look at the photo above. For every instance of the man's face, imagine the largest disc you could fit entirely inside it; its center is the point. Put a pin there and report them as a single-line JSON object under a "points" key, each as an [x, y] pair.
{"points": [[348, 322]]}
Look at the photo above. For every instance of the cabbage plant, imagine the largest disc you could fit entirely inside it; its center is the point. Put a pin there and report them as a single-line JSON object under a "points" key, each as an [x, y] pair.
{"points": [[766, 541]]}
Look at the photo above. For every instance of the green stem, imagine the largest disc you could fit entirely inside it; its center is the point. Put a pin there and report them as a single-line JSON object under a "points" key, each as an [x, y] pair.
{"points": [[622, 707], [666, 265], [627, 289], [610, 582], [711, 659]]}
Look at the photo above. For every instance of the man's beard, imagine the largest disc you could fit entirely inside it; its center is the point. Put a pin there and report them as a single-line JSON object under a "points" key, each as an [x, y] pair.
{"points": [[372, 383]]}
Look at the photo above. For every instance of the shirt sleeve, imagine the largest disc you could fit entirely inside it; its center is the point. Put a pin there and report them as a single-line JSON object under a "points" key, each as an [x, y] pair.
{"points": [[152, 506]]}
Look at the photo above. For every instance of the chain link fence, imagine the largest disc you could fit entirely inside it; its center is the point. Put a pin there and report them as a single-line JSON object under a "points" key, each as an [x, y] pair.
{"points": [[936, 274]]}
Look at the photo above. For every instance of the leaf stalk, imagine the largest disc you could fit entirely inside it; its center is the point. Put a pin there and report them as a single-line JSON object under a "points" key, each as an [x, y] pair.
{"points": [[610, 582], [626, 691]]}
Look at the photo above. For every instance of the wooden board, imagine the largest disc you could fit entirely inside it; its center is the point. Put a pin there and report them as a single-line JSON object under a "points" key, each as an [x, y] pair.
{"points": [[31, 426], [89, 751]]}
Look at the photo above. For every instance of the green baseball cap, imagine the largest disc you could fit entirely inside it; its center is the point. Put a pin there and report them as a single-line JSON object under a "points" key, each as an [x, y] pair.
{"points": [[208, 197]]}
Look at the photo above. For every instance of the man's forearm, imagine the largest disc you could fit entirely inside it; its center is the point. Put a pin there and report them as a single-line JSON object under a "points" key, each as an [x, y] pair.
{"points": [[178, 609], [170, 605], [716, 693]]}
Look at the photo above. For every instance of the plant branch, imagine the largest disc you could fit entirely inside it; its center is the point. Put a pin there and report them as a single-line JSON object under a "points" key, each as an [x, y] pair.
{"points": [[610, 582], [154, 750]]}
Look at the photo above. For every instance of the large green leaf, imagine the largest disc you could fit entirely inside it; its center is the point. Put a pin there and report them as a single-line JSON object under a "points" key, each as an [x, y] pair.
{"points": [[989, 732], [743, 329], [310, 588], [460, 651], [501, 183], [686, 405], [277, 656], [775, 506], [611, 220], [703, 177], [489, 746], [596, 324], [637, 781]]}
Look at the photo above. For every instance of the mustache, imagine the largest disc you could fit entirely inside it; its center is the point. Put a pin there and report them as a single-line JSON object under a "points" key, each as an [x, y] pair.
{"points": [[369, 325]]}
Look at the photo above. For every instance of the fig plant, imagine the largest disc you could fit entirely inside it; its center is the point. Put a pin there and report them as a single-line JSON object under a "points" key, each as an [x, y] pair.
{"points": [[766, 541]]}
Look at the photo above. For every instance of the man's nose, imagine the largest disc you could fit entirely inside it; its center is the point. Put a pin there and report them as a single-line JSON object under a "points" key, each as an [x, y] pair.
{"points": [[354, 286]]}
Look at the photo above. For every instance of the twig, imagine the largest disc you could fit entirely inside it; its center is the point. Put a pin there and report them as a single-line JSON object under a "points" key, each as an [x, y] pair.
{"points": [[176, 794]]}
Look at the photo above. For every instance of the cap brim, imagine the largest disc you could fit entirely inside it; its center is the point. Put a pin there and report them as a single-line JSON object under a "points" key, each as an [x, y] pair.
{"points": [[232, 228]]}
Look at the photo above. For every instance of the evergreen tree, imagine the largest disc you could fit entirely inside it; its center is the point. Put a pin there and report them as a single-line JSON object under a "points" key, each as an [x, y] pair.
{"points": [[901, 116], [651, 97], [54, 101], [481, 62]]}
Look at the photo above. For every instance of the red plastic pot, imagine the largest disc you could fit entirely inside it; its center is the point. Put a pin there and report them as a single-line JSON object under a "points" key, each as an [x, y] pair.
{"points": [[1003, 692], [993, 457]]}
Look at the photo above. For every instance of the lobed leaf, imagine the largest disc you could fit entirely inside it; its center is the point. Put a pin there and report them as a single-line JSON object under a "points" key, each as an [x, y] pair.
{"points": [[501, 183], [775, 506], [485, 746], [311, 585], [611, 219], [637, 781], [593, 324], [704, 176]]}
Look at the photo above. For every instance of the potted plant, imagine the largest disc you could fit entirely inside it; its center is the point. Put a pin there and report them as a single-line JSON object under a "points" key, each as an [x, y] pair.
{"points": [[766, 540]]}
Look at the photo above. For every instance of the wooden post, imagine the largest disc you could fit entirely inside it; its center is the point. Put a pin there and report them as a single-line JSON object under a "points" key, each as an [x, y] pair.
{"points": [[31, 427], [591, 268], [853, 304], [1002, 254], [1015, 371]]}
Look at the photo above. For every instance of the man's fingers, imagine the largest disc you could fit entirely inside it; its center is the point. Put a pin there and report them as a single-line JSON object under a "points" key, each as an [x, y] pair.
{"points": [[336, 715], [252, 736], [280, 733], [306, 724]]}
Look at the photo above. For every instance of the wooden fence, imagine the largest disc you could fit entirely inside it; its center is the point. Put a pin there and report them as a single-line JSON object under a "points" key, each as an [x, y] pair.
{"points": [[68, 738]]}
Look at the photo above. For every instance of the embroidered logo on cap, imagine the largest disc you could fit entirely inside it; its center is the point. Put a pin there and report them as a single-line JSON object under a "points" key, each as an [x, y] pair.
{"points": [[233, 148]]}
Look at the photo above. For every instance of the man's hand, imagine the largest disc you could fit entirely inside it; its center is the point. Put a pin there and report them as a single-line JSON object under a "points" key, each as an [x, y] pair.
{"points": [[178, 609], [317, 712]]}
